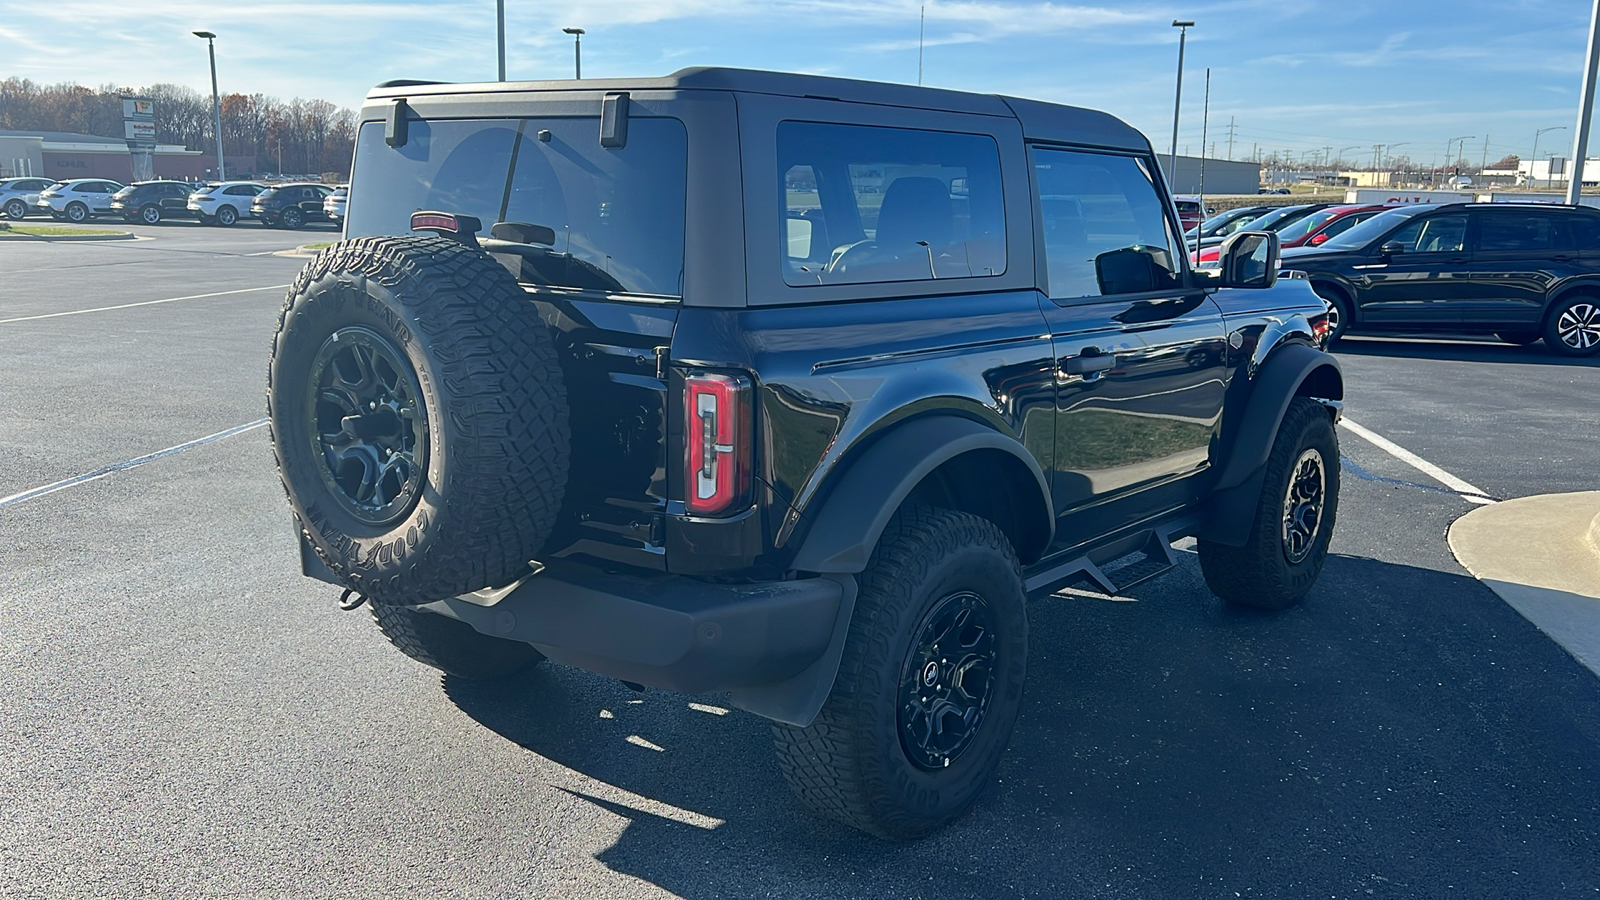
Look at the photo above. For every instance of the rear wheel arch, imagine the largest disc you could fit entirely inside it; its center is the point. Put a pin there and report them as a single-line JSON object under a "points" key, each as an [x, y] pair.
{"points": [[994, 485]]}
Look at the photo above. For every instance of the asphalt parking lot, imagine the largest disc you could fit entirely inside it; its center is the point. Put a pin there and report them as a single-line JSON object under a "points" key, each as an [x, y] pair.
{"points": [[184, 715]]}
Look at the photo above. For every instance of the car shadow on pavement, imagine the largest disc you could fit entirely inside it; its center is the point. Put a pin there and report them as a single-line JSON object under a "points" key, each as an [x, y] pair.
{"points": [[1403, 733], [1456, 350]]}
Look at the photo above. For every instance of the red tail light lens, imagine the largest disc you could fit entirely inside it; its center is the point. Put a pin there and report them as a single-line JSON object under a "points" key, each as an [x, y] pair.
{"points": [[717, 428]]}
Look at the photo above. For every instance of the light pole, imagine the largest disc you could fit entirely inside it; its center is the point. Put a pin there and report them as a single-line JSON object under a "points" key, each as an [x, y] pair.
{"points": [[1535, 158], [577, 51], [500, 34], [1580, 140], [216, 103], [1177, 102], [1448, 161]]}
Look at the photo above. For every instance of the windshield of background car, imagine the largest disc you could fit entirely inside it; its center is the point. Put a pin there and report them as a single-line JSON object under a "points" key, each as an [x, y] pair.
{"points": [[1262, 222], [617, 213], [1363, 234], [1307, 225]]}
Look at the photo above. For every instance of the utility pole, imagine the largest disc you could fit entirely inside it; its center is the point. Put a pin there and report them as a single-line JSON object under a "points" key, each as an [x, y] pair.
{"points": [[1230, 137], [1483, 162], [922, 24], [1183, 27], [1205, 118], [1580, 143], [1377, 151], [500, 33]]}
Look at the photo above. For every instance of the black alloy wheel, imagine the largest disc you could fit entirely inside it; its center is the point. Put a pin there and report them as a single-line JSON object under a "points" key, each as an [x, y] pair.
{"points": [[1573, 328], [77, 212], [947, 681], [369, 429], [16, 210], [1338, 310], [1303, 502], [292, 217], [150, 214], [226, 216]]}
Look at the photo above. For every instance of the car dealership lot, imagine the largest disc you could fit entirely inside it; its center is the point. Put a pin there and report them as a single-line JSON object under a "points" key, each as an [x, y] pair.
{"points": [[185, 715]]}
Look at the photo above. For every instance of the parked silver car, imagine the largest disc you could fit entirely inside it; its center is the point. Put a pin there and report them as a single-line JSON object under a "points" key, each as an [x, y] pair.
{"points": [[18, 195], [226, 202], [333, 207], [79, 199]]}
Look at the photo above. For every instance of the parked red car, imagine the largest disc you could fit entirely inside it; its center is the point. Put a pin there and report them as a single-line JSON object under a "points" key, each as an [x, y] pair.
{"points": [[1312, 230], [1190, 212]]}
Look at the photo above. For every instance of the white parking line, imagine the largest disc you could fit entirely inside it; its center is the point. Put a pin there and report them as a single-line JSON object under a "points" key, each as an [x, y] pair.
{"points": [[79, 312], [103, 471], [1460, 486]]}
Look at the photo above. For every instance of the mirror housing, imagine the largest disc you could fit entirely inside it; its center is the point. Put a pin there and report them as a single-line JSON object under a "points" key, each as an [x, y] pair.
{"points": [[1249, 259], [1317, 240], [1392, 248]]}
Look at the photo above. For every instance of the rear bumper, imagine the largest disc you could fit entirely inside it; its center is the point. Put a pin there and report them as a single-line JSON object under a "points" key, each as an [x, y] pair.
{"points": [[669, 631]]}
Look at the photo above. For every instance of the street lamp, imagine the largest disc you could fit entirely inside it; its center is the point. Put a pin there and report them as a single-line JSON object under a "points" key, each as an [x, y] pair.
{"points": [[1340, 156], [216, 103], [1536, 151], [577, 51], [1177, 102]]}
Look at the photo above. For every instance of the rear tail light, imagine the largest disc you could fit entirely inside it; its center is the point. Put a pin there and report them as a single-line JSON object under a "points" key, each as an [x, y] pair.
{"points": [[717, 428]]}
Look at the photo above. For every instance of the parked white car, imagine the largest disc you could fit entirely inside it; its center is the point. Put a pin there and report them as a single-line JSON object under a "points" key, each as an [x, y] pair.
{"points": [[79, 199], [18, 195], [333, 206], [225, 203]]}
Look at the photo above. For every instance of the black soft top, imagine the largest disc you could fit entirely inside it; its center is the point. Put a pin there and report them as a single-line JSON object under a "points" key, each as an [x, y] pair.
{"points": [[1040, 120]]}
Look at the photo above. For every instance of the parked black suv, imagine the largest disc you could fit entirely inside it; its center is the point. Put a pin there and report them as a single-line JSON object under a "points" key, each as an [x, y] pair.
{"points": [[789, 387], [151, 201], [1522, 271], [290, 205]]}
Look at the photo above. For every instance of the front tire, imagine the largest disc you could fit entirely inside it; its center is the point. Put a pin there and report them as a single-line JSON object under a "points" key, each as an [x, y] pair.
{"points": [[452, 646], [1294, 519], [930, 684], [16, 210], [77, 212], [1573, 326]]}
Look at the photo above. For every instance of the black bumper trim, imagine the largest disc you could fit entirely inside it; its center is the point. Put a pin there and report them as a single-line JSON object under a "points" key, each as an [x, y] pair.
{"points": [[668, 632]]}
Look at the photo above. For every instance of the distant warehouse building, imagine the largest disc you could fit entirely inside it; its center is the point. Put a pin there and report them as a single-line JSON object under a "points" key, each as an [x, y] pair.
{"points": [[63, 155], [1222, 176]]}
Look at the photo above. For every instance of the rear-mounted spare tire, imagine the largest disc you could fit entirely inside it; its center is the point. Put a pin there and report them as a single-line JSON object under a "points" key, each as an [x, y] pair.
{"points": [[418, 417]]}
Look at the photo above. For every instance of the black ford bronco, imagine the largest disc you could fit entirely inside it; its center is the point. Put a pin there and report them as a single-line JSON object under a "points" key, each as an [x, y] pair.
{"points": [[790, 388]]}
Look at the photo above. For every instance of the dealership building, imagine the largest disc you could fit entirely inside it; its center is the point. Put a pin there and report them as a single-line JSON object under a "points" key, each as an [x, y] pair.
{"points": [[63, 155]]}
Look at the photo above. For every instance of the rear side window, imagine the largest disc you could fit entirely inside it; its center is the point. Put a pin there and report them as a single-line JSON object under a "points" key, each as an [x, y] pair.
{"points": [[616, 214], [865, 204], [1531, 231], [1104, 229]]}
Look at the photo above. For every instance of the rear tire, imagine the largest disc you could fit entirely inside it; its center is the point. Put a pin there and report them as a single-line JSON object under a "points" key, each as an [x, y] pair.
{"points": [[150, 215], [418, 417], [872, 758], [1339, 314], [226, 216], [1572, 327], [77, 212], [452, 646], [1294, 519], [292, 217]]}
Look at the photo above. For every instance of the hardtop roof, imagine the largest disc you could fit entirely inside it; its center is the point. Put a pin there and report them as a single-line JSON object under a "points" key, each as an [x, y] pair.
{"points": [[1040, 120]]}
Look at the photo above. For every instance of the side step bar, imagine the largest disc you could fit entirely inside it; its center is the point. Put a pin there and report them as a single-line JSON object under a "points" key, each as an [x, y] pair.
{"points": [[1111, 568]]}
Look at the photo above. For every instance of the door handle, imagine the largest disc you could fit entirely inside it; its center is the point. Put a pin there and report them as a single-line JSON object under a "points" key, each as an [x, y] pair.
{"points": [[1089, 363]]}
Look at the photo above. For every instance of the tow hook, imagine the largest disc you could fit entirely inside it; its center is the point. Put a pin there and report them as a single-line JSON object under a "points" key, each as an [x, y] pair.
{"points": [[346, 604]]}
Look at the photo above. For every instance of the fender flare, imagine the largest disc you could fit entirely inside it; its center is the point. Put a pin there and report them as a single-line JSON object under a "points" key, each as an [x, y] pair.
{"points": [[1237, 490], [856, 511]]}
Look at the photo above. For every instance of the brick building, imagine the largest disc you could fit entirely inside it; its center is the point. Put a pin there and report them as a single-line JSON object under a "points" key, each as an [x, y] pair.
{"points": [[63, 155]]}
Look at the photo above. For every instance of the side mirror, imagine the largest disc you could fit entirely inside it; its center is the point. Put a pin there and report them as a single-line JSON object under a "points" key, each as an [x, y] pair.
{"points": [[1392, 248], [1317, 240], [1249, 259]]}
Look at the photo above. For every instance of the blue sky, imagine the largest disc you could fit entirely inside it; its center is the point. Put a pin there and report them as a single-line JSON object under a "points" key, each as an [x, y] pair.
{"points": [[1292, 75]]}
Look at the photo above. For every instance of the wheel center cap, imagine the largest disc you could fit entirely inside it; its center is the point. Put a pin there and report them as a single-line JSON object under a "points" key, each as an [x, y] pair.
{"points": [[930, 674]]}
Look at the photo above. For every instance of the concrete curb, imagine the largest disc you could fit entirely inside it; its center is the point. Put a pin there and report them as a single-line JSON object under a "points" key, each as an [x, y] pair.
{"points": [[1541, 555], [119, 236]]}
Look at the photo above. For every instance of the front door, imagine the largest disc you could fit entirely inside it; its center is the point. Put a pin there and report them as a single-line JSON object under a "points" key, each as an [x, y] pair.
{"points": [[1423, 283], [1140, 355]]}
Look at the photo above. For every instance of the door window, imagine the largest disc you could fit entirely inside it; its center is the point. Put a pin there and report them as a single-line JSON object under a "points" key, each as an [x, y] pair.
{"points": [[1525, 231], [1432, 234], [867, 204], [1105, 231]]}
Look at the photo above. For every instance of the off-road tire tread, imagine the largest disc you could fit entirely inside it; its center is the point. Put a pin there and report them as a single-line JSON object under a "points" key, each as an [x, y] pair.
{"points": [[451, 646], [827, 764], [508, 432], [1257, 575]]}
